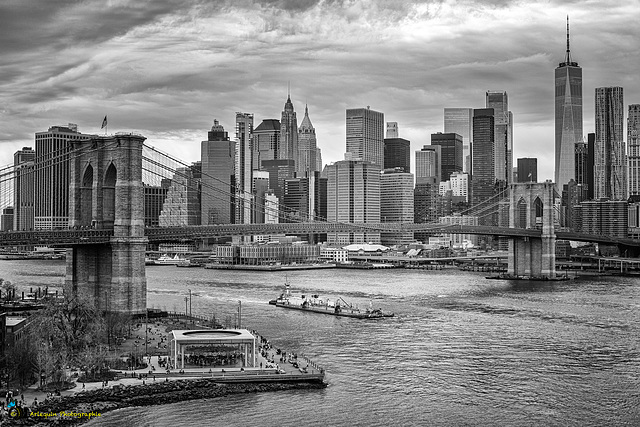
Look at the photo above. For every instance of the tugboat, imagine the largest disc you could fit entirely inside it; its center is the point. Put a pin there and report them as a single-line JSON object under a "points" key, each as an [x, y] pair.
{"points": [[340, 307]]}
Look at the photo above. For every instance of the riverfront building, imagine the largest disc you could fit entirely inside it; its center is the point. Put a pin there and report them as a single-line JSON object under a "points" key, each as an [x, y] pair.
{"points": [[610, 169], [396, 204], [154, 197], [23, 189], [568, 116], [353, 195], [365, 135], [182, 204], [218, 192], [633, 139], [243, 167], [51, 179]]}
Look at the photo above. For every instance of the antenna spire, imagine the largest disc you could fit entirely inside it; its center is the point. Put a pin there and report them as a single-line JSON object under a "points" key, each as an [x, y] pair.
{"points": [[567, 58], [288, 88]]}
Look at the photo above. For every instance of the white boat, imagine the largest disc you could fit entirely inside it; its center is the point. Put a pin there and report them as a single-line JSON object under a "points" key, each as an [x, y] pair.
{"points": [[168, 260]]}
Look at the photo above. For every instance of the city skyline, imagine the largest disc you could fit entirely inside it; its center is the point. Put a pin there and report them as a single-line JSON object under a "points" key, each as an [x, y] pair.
{"points": [[166, 71]]}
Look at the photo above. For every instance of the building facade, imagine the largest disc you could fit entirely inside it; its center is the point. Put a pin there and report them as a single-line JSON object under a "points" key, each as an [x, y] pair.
{"points": [[243, 168], [397, 154], [307, 146], [51, 176], [428, 165], [503, 134], [396, 204], [265, 142], [182, 203], [365, 135], [450, 153], [23, 189], [154, 197], [289, 135], [218, 179], [353, 195], [483, 178], [568, 116], [528, 169], [460, 121], [610, 169], [633, 139]]}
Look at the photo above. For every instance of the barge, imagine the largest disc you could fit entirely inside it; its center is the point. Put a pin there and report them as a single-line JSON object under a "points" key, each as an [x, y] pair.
{"points": [[313, 304]]}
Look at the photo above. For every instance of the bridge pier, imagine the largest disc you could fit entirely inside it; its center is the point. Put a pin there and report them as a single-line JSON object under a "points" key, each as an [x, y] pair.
{"points": [[106, 192], [531, 206]]}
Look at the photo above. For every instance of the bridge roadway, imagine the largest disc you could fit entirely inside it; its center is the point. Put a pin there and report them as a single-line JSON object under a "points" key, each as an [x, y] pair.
{"points": [[67, 237]]}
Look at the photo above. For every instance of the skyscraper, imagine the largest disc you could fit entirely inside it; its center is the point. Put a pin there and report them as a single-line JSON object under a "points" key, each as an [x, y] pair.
{"points": [[528, 169], [289, 135], [365, 135], [450, 153], [397, 153], [396, 203], [265, 142], [610, 169], [460, 121], [428, 165], [568, 112], [353, 195], [51, 165], [218, 195], [182, 204], [307, 146], [633, 139], [243, 165], [392, 130], [503, 134], [483, 178], [23, 189]]}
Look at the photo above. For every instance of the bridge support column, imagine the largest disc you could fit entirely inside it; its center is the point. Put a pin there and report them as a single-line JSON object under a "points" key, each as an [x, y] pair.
{"points": [[106, 192], [531, 206]]}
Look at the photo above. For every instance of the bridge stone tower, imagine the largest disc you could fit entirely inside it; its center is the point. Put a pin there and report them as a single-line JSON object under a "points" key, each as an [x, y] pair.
{"points": [[531, 206], [106, 192]]}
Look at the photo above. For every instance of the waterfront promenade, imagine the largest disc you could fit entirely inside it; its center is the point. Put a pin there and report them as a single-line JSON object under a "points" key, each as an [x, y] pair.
{"points": [[270, 369]]}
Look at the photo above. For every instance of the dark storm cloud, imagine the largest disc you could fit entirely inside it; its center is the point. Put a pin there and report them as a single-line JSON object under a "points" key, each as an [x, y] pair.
{"points": [[168, 68], [26, 24]]}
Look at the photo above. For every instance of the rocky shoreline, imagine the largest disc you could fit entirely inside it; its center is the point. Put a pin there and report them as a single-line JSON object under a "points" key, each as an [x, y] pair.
{"points": [[73, 410]]}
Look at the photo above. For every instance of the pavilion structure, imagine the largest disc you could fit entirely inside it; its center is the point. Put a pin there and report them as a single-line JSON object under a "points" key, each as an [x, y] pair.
{"points": [[179, 340]]}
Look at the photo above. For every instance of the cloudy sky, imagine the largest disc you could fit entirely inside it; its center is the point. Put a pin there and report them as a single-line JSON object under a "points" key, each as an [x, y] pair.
{"points": [[168, 68]]}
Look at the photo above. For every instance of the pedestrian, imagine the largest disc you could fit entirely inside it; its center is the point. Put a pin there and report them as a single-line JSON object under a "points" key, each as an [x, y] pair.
{"points": [[83, 386]]}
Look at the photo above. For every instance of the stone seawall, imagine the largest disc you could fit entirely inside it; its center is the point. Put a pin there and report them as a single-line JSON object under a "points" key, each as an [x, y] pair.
{"points": [[73, 410]]}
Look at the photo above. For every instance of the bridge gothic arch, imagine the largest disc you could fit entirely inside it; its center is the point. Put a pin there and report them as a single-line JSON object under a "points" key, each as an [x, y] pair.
{"points": [[521, 214], [531, 206], [109, 196], [86, 197]]}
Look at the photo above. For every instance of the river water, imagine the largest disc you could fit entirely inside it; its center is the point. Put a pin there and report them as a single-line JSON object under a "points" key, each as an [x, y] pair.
{"points": [[462, 350]]}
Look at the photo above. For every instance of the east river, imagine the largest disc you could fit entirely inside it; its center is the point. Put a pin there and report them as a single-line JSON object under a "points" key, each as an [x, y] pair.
{"points": [[462, 350]]}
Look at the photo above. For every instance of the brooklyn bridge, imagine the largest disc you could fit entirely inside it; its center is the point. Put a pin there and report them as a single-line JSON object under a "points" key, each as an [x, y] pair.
{"points": [[107, 237]]}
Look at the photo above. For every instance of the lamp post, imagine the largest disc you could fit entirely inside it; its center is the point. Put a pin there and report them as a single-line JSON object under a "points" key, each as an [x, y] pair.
{"points": [[190, 312]]}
